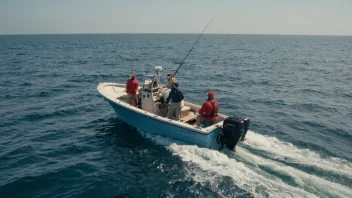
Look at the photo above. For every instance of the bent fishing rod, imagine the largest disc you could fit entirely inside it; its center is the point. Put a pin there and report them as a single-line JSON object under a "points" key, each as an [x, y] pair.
{"points": [[193, 46]]}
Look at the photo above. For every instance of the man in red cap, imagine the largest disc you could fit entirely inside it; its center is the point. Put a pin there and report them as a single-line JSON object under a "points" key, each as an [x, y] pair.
{"points": [[208, 114], [131, 90]]}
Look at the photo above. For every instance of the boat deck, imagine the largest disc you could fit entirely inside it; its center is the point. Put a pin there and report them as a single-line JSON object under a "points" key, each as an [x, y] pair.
{"points": [[116, 93], [188, 117]]}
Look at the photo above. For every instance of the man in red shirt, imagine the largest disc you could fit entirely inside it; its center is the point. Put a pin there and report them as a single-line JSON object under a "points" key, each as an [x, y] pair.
{"points": [[208, 114], [131, 90]]}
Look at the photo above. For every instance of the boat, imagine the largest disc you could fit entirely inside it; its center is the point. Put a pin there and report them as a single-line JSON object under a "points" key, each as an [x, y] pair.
{"points": [[149, 116]]}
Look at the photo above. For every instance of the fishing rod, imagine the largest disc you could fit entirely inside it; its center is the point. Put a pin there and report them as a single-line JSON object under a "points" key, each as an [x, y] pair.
{"points": [[193, 45]]}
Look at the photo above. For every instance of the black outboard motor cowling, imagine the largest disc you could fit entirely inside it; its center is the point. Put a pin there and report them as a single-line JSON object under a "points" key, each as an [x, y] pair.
{"points": [[234, 130], [246, 123]]}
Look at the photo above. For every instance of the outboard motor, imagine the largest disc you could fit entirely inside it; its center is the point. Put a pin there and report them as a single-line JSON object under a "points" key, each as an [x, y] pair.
{"points": [[234, 130]]}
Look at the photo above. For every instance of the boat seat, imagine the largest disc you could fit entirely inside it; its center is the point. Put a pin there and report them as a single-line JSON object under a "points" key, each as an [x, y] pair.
{"points": [[186, 115], [190, 116], [185, 108]]}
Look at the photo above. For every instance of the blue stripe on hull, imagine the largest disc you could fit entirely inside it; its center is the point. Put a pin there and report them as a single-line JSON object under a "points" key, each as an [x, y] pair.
{"points": [[148, 124]]}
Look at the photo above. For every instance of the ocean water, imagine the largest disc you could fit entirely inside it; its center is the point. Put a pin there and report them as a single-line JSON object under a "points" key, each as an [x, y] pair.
{"points": [[60, 138]]}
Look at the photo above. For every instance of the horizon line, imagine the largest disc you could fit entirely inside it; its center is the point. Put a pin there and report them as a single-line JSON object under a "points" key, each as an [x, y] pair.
{"points": [[263, 34]]}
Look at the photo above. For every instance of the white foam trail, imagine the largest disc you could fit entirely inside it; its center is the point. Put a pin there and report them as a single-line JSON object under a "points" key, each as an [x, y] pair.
{"points": [[288, 152], [251, 179], [308, 182], [258, 175], [165, 141]]}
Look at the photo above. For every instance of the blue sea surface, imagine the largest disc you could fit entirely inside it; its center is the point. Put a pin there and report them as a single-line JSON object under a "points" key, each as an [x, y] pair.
{"points": [[60, 138]]}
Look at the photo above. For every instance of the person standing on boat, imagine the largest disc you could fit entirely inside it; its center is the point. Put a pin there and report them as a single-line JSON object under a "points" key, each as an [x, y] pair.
{"points": [[171, 79], [131, 90], [176, 97], [208, 114]]}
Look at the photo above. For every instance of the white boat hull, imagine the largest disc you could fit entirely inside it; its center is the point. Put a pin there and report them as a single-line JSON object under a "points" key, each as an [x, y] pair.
{"points": [[152, 123], [168, 128]]}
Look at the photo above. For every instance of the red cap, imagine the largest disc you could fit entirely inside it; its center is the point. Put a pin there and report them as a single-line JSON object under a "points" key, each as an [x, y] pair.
{"points": [[133, 75], [210, 94]]}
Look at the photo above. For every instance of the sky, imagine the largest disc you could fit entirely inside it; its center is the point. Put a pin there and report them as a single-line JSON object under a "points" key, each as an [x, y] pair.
{"points": [[293, 17]]}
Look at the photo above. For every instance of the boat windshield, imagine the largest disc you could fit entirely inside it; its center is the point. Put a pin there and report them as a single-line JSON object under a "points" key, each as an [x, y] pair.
{"points": [[153, 81]]}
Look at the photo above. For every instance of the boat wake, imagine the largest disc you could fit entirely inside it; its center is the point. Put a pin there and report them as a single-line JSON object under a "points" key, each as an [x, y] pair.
{"points": [[265, 167]]}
